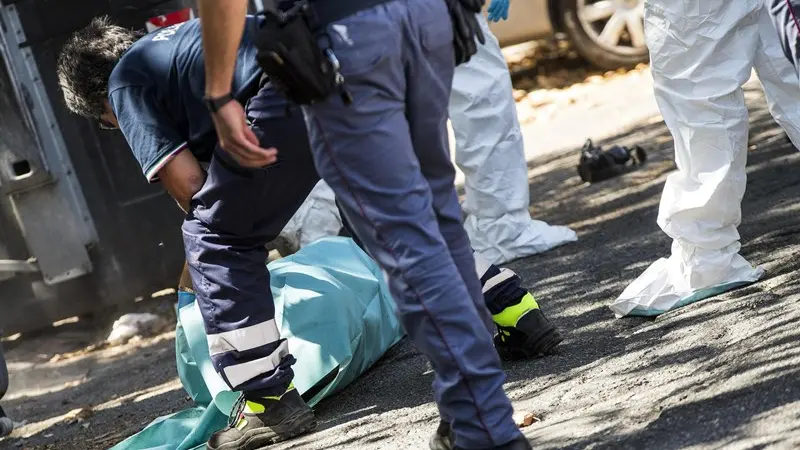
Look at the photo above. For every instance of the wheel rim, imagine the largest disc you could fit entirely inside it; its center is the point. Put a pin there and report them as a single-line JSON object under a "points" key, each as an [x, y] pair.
{"points": [[615, 25]]}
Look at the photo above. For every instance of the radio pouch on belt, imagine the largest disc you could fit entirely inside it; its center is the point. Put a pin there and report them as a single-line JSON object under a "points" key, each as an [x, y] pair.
{"points": [[289, 54]]}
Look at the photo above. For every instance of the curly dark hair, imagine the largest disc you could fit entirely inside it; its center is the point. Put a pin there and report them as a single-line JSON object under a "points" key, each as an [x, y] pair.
{"points": [[86, 62]]}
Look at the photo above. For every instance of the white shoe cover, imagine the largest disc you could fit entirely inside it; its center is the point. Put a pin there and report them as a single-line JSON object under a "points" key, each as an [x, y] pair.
{"points": [[514, 235], [684, 278]]}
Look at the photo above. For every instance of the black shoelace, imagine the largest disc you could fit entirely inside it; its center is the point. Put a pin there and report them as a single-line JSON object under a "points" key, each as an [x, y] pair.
{"points": [[237, 410]]}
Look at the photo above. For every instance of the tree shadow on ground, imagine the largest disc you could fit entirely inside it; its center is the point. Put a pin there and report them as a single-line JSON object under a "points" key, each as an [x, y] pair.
{"points": [[616, 222], [124, 388], [634, 382]]}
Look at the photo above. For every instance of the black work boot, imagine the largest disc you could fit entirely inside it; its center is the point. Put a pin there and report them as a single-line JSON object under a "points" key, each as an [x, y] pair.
{"points": [[443, 439], [259, 422], [524, 332]]}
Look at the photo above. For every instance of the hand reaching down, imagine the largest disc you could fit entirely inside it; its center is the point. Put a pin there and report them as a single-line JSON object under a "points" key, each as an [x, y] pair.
{"points": [[236, 137]]}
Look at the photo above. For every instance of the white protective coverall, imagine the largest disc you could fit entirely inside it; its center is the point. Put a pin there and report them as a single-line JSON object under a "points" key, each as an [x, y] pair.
{"points": [[316, 218], [702, 52], [490, 152]]}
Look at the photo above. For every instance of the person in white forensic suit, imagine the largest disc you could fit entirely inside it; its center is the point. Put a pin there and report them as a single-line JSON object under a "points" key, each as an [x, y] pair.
{"points": [[491, 153], [702, 52]]}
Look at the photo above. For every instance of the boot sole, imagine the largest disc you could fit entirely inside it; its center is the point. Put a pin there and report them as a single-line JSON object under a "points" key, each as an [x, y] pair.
{"points": [[263, 437]]}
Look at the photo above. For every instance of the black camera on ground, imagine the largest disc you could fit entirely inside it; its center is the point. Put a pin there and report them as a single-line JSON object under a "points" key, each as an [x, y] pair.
{"points": [[597, 164]]}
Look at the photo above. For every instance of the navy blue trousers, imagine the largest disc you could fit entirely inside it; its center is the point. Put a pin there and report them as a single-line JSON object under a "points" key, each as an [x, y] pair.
{"points": [[386, 157], [234, 215]]}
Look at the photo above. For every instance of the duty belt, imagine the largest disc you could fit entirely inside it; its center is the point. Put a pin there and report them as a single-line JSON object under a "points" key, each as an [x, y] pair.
{"points": [[288, 43], [329, 11], [289, 52]]}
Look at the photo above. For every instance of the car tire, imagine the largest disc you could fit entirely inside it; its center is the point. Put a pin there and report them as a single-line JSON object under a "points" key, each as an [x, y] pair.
{"points": [[586, 46]]}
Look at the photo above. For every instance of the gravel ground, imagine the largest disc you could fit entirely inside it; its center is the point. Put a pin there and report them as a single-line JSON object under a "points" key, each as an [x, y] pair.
{"points": [[721, 373]]}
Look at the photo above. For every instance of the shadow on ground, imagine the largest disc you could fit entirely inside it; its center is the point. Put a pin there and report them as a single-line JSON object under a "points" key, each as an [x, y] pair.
{"points": [[71, 398], [722, 372], [621, 383]]}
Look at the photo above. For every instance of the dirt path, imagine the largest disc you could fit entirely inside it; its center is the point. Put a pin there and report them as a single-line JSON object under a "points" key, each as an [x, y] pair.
{"points": [[720, 373]]}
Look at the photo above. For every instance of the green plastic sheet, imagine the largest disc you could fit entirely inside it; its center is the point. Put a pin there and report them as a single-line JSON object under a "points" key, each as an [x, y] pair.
{"points": [[334, 308]]}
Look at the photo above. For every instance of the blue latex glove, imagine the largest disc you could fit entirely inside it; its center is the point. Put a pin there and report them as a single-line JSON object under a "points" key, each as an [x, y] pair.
{"points": [[498, 10]]}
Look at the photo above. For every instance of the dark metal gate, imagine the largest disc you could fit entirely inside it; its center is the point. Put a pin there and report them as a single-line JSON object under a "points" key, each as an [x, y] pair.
{"points": [[80, 229]]}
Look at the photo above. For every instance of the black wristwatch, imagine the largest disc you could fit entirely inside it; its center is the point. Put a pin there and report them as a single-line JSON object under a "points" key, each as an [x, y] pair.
{"points": [[215, 103]]}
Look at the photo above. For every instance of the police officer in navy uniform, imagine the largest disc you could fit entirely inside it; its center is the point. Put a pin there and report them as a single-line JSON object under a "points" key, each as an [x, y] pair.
{"points": [[386, 157]]}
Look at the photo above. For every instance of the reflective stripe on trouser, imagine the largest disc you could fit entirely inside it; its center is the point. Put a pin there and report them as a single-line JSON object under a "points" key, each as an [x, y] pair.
{"points": [[702, 52], [501, 287], [233, 216], [387, 159]]}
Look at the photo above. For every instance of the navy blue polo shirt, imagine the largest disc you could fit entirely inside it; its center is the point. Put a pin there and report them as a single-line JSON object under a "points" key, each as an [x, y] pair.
{"points": [[156, 91]]}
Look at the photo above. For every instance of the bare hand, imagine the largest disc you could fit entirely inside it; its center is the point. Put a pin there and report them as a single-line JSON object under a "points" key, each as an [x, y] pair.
{"points": [[236, 137]]}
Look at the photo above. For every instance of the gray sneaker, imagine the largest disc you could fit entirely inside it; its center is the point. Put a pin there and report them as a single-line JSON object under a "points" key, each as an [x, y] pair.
{"points": [[272, 420]]}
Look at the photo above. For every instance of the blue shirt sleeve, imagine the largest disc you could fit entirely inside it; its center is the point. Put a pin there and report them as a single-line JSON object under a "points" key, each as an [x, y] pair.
{"points": [[151, 132]]}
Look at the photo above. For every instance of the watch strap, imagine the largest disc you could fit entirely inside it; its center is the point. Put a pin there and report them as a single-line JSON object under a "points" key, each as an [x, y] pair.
{"points": [[215, 103]]}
